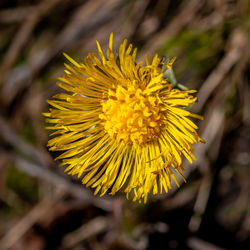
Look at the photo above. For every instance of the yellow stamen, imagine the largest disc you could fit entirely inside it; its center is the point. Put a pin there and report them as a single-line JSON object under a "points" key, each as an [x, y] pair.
{"points": [[131, 115]]}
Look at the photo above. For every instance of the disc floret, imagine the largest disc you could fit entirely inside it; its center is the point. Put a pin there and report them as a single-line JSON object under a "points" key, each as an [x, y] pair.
{"points": [[131, 115]]}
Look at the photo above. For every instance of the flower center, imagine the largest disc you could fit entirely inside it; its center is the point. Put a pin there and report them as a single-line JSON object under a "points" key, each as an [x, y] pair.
{"points": [[132, 115]]}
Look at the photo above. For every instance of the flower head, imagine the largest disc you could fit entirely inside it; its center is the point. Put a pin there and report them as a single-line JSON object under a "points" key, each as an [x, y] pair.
{"points": [[121, 124]]}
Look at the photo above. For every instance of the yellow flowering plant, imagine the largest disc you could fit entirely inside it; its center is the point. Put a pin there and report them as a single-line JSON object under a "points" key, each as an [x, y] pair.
{"points": [[121, 125]]}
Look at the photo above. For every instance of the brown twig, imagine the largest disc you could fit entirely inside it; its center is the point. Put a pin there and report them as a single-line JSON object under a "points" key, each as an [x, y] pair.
{"points": [[17, 231], [24, 34], [199, 244], [236, 46], [8, 16], [56, 180], [180, 20], [95, 226], [10, 136]]}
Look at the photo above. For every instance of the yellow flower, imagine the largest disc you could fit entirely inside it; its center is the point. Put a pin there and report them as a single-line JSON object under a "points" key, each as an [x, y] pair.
{"points": [[121, 124]]}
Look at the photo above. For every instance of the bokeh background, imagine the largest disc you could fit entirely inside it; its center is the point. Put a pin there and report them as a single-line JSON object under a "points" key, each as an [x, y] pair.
{"points": [[43, 208]]}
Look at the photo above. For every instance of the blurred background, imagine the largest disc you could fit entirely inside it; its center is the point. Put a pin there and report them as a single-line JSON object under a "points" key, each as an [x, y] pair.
{"points": [[43, 208]]}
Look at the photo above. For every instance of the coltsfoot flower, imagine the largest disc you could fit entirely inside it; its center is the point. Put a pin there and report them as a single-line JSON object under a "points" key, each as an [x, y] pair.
{"points": [[121, 125]]}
